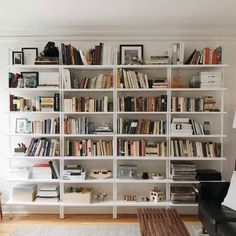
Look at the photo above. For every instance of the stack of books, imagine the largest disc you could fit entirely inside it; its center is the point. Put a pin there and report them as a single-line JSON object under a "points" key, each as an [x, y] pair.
{"points": [[23, 192], [74, 172], [158, 60], [103, 130], [181, 126], [17, 173], [46, 60], [47, 193], [210, 79], [183, 194], [41, 171], [208, 175], [183, 170]]}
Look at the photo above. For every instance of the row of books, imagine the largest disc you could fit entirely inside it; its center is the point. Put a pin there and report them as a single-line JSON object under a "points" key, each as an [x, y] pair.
{"points": [[43, 147], [193, 104], [38, 103], [130, 126], [88, 147], [102, 54], [86, 104], [138, 104], [77, 125], [187, 148], [141, 148], [206, 56], [72, 81], [48, 126]]}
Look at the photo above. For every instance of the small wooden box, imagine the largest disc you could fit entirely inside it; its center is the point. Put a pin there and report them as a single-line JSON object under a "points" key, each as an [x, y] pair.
{"points": [[80, 198]]}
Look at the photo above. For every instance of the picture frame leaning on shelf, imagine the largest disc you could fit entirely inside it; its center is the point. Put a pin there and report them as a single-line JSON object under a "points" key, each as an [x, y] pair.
{"points": [[131, 54]]}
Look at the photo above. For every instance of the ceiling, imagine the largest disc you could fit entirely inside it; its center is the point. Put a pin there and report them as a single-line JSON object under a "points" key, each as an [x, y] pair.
{"points": [[109, 13]]}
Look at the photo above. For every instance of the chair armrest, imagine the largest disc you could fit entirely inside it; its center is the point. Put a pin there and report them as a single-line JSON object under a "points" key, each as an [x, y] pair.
{"points": [[212, 191]]}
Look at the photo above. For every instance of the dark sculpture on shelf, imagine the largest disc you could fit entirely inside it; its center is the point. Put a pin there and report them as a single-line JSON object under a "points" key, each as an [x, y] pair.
{"points": [[50, 50]]}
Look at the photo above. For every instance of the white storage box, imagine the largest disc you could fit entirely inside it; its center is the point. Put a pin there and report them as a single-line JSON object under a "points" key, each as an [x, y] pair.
{"points": [[83, 197]]}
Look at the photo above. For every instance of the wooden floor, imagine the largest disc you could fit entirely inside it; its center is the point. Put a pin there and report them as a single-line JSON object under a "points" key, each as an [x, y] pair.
{"points": [[8, 225]]}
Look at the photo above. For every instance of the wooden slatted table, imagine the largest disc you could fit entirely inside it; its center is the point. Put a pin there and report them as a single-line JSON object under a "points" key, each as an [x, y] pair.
{"points": [[161, 222]]}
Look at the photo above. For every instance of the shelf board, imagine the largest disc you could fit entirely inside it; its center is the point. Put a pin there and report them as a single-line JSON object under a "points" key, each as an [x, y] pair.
{"points": [[198, 89], [198, 112], [198, 136], [141, 181], [12, 67], [95, 67], [143, 158], [198, 158], [92, 204], [88, 113], [47, 89], [141, 89], [35, 180], [87, 90], [33, 135], [35, 112], [141, 112], [13, 203], [87, 158], [87, 181], [87, 135], [33, 157], [140, 203], [142, 135], [171, 66]]}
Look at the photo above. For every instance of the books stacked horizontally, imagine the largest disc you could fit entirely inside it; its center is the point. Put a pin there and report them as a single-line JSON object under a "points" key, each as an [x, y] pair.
{"points": [[47, 193], [210, 79], [183, 194], [208, 175], [160, 83], [21, 172], [41, 171], [23, 192], [48, 103], [183, 170], [74, 172], [158, 60], [46, 60], [103, 130], [181, 126]]}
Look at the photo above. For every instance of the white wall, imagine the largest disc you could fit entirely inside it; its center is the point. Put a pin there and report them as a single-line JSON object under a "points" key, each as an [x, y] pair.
{"points": [[153, 44]]}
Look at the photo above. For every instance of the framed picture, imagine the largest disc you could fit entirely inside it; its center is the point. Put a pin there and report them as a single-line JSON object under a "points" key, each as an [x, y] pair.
{"points": [[21, 124], [131, 54], [17, 58], [30, 79], [29, 55]]}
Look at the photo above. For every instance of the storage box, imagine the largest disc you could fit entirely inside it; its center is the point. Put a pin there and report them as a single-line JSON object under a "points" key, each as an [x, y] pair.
{"points": [[83, 197], [128, 171]]}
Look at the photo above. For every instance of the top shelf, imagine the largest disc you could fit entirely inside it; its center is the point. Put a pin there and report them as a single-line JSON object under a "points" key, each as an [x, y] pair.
{"points": [[114, 66]]}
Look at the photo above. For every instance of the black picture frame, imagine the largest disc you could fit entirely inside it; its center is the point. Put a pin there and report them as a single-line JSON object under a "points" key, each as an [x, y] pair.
{"points": [[131, 54], [30, 79], [29, 55], [17, 58], [21, 124]]}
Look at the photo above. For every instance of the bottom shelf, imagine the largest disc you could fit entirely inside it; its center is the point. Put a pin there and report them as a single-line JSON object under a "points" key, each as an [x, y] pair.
{"points": [[101, 204]]}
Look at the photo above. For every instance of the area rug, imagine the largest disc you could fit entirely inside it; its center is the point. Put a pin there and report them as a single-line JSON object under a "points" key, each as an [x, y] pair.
{"points": [[89, 230]]}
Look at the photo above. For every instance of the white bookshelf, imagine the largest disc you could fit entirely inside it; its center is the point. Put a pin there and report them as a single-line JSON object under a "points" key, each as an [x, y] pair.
{"points": [[118, 187]]}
